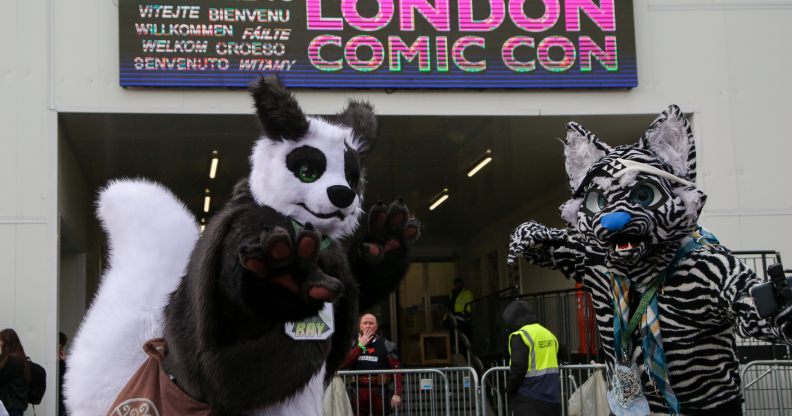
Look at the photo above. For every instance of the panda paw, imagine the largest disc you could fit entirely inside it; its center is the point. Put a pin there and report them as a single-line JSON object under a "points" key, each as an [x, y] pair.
{"points": [[291, 262], [389, 228], [275, 249]]}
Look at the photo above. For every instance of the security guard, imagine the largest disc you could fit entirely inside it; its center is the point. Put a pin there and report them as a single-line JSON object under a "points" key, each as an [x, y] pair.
{"points": [[458, 314], [460, 299], [534, 386]]}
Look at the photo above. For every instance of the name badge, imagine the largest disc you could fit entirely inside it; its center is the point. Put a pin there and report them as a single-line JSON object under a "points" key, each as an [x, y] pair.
{"points": [[314, 328], [625, 396]]}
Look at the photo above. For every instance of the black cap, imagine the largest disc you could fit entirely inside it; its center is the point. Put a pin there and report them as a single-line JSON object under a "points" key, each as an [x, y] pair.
{"points": [[518, 314]]}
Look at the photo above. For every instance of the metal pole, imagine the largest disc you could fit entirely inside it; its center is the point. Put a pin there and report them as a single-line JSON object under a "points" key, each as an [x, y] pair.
{"points": [[483, 400], [777, 389], [563, 390]]}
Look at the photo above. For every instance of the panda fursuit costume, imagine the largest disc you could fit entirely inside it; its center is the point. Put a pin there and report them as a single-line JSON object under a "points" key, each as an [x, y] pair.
{"points": [[635, 243], [224, 301]]}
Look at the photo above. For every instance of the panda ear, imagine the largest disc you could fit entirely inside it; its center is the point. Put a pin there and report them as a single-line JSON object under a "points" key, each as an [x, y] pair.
{"points": [[359, 115], [277, 110], [671, 139], [582, 149]]}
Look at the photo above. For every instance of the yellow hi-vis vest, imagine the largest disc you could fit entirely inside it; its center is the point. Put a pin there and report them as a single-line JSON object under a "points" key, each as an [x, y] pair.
{"points": [[542, 349], [462, 302]]}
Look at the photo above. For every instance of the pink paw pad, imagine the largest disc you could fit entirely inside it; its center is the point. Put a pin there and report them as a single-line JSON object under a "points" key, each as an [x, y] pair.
{"points": [[256, 266], [306, 247], [280, 251], [391, 245]]}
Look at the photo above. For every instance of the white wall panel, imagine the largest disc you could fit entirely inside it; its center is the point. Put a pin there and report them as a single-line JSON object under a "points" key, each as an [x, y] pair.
{"points": [[726, 228], [768, 232], [8, 116], [759, 91], [36, 307], [28, 169], [8, 250], [28, 109]]}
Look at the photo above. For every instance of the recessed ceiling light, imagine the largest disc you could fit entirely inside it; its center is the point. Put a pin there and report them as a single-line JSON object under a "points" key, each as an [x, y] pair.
{"points": [[480, 163], [438, 199], [215, 162], [207, 201]]}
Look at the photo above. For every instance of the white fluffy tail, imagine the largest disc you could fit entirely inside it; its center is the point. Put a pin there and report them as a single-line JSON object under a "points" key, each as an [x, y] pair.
{"points": [[150, 235]]}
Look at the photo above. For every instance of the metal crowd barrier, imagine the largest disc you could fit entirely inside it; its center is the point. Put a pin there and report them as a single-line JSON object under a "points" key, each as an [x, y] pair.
{"points": [[425, 391], [767, 388], [495, 380], [464, 387], [496, 390]]}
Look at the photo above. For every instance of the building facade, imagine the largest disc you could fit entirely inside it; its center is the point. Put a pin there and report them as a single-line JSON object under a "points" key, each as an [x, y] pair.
{"points": [[722, 61]]}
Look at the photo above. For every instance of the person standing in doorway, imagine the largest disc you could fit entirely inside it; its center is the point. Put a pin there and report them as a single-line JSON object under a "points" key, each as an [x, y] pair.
{"points": [[14, 373], [459, 311], [372, 352], [533, 387]]}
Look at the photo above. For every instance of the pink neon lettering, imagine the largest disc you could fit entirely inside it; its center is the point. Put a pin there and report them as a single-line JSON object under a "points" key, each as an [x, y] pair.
{"points": [[442, 53], [507, 52], [317, 22], [603, 15], [468, 24], [458, 53], [438, 15], [419, 48], [529, 24], [315, 56], [350, 53], [367, 24], [608, 57], [559, 42]]}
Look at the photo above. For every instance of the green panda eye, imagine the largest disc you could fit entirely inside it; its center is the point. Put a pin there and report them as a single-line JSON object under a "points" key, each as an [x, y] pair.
{"points": [[307, 173]]}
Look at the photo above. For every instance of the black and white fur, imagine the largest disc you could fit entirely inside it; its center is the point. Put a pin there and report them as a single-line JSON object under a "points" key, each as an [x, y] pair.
{"points": [[705, 299], [257, 266]]}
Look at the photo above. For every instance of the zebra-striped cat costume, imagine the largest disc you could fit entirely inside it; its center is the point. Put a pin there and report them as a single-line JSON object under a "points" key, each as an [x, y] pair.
{"points": [[631, 209]]}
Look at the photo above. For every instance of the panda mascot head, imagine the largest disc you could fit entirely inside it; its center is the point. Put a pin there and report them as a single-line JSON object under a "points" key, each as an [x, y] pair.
{"points": [[309, 168]]}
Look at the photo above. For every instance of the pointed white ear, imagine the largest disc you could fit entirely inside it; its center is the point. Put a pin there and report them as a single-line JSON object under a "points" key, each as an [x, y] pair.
{"points": [[582, 150], [671, 139]]}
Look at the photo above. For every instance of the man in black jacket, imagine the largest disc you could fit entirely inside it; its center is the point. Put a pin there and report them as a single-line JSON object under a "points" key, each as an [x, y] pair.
{"points": [[534, 387]]}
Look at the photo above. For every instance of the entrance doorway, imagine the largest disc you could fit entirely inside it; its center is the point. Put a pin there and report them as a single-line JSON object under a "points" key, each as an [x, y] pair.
{"points": [[414, 158]]}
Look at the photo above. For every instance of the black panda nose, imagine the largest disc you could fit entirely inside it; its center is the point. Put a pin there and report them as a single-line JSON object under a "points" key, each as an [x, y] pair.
{"points": [[340, 195]]}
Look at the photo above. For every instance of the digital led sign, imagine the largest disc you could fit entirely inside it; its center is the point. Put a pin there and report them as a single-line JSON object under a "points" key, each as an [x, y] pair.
{"points": [[473, 44]]}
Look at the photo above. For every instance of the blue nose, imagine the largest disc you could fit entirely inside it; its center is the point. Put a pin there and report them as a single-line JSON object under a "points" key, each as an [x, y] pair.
{"points": [[615, 221]]}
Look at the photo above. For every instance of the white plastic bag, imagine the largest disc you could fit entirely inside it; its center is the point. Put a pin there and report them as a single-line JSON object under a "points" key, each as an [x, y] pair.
{"points": [[590, 399], [336, 401]]}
